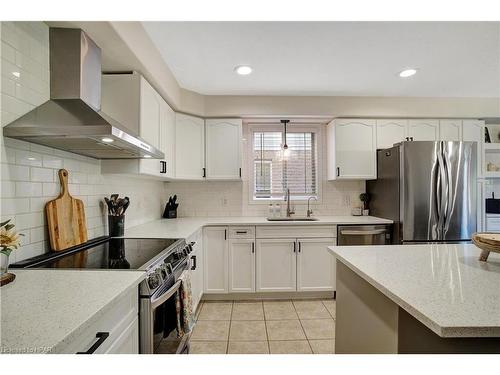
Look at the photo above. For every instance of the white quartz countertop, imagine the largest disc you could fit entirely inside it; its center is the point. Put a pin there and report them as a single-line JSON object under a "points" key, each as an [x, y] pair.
{"points": [[185, 227], [444, 286], [41, 310]]}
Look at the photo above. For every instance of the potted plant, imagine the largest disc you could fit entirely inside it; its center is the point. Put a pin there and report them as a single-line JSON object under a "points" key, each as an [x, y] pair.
{"points": [[365, 198], [9, 241]]}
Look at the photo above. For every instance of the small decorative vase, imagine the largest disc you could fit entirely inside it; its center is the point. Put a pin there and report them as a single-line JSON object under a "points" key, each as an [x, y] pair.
{"points": [[4, 264]]}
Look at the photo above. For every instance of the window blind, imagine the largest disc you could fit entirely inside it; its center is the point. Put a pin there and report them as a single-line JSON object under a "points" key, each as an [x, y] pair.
{"points": [[276, 170]]}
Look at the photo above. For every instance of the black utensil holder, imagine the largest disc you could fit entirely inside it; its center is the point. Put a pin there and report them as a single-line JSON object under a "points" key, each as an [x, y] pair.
{"points": [[116, 226]]}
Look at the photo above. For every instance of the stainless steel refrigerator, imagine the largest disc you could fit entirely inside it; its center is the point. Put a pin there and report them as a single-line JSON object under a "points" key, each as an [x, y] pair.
{"points": [[428, 189]]}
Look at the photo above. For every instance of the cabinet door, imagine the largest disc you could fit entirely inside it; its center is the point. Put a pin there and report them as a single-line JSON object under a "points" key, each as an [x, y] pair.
{"points": [[167, 139], [223, 149], [149, 126], [390, 132], [241, 265], [473, 130], [189, 147], [450, 130], [276, 265], [128, 341], [423, 130], [354, 145], [315, 265], [215, 259]]}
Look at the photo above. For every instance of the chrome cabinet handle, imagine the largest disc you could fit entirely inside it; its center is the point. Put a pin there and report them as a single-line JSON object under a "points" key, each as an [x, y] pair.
{"points": [[101, 337]]}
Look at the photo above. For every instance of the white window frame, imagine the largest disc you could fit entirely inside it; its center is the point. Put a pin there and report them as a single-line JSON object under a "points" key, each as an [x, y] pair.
{"points": [[313, 128]]}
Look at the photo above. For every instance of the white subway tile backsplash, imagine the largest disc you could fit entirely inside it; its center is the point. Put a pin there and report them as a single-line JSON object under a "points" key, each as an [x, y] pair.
{"points": [[42, 174], [8, 189], [29, 189], [13, 206], [50, 189], [50, 161], [38, 204], [12, 172], [24, 157], [38, 234], [28, 221]]}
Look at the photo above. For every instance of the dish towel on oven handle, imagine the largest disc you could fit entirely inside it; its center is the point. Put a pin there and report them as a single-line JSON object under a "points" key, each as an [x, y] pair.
{"points": [[184, 305]]}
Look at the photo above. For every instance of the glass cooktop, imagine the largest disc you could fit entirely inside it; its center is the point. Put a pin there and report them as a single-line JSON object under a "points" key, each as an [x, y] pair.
{"points": [[108, 253]]}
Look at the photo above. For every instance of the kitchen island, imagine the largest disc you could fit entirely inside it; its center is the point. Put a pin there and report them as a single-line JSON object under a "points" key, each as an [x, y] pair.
{"points": [[417, 299]]}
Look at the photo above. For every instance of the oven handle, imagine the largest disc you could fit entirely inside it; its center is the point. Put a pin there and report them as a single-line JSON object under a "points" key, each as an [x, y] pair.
{"points": [[347, 232], [165, 296]]}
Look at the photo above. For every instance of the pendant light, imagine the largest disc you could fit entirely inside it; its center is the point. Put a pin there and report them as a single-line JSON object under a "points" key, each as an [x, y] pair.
{"points": [[285, 122]]}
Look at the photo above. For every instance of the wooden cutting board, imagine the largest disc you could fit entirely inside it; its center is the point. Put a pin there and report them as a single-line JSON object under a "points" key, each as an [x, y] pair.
{"points": [[65, 218]]}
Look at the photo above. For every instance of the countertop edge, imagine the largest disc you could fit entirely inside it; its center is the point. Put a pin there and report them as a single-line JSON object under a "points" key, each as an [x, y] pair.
{"points": [[57, 348], [442, 331]]}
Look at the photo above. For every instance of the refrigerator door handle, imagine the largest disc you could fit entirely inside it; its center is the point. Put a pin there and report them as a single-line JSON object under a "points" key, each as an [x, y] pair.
{"points": [[442, 191], [449, 192]]}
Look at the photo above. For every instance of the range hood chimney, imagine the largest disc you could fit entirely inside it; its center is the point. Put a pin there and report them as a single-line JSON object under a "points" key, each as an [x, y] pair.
{"points": [[71, 119]]}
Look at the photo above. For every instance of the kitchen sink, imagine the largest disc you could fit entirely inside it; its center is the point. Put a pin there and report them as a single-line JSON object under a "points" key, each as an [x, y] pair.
{"points": [[296, 218]]}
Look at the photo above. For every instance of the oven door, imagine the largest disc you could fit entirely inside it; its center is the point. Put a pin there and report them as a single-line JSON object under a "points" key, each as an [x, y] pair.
{"points": [[158, 322]]}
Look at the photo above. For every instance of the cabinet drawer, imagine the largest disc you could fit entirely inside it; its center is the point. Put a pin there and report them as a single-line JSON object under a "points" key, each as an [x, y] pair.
{"points": [[296, 231], [113, 321], [241, 232], [493, 224]]}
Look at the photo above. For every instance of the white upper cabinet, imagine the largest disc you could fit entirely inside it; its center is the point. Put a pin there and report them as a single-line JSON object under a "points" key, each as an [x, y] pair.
{"points": [[149, 124], [473, 130], [450, 130], [189, 147], [423, 130], [167, 139], [351, 149], [390, 132], [133, 102], [223, 149]]}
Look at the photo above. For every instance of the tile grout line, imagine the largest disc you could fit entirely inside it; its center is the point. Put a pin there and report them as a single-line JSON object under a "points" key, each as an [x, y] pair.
{"points": [[303, 330], [230, 324]]}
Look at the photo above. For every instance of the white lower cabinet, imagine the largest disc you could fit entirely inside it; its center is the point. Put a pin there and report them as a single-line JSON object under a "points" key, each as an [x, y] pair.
{"points": [[128, 341], [215, 259], [116, 330], [196, 268], [315, 265], [276, 265], [281, 259], [241, 265]]}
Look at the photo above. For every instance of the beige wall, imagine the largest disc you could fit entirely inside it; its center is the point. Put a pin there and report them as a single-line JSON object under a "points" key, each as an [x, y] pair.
{"points": [[247, 106]]}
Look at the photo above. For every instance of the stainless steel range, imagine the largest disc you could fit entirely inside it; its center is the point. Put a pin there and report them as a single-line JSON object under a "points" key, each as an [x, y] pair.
{"points": [[163, 260]]}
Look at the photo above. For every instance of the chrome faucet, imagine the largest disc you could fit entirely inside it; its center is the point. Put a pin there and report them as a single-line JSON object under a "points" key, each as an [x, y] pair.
{"points": [[289, 212], [309, 211]]}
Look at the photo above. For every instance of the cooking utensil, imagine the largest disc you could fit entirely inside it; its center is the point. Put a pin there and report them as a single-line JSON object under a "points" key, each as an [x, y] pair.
{"points": [[65, 218]]}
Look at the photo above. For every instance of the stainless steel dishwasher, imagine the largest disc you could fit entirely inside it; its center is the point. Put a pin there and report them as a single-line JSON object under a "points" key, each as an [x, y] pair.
{"points": [[352, 235]]}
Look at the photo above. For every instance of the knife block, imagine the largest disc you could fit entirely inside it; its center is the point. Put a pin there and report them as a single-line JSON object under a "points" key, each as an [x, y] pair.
{"points": [[170, 213]]}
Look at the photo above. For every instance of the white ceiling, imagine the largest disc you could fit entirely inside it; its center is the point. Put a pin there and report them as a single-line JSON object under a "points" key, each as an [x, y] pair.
{"points": [[455, 59]]}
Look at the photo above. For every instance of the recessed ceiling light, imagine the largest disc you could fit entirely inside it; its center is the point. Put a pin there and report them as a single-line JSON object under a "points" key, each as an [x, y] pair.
{"points": [[407, 73], [147, 156], [16, 74], [107, 140], [31, 158], [243, 70]]}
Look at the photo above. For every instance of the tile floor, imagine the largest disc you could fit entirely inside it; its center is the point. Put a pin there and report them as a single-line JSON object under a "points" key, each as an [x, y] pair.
{"points": [[263, 327]]}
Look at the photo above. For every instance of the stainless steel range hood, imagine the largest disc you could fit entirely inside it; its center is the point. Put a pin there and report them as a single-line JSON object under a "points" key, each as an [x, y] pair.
{"points": [[71, 119]]}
